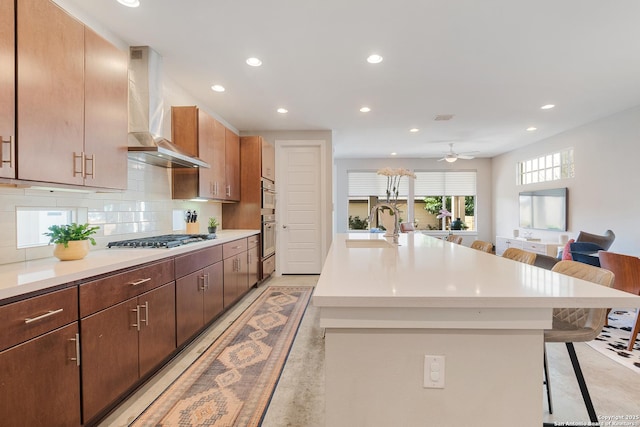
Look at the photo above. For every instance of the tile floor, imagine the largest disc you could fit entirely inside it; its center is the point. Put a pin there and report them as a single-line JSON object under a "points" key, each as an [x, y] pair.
{"points": [[298, 400]]}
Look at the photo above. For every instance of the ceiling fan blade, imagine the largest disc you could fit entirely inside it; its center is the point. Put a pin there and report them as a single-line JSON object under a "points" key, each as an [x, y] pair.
{"points": [[465, 157]]}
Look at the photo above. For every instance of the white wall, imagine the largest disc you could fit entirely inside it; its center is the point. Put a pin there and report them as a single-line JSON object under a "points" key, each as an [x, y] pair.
{"points": [[483, 189], [604, 193]]}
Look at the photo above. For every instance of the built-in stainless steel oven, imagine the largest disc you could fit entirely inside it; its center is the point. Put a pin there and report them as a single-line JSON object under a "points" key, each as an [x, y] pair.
{"points": [[268, 194], [268, 235]]}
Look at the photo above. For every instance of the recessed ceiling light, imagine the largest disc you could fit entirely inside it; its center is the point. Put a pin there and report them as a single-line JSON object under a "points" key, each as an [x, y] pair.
{"points": [[414, 130], [531, 129], [365, 109], [217, 88], [547, 107], [254, 62], [394, 154], [374, 59], [282, 110], [129, 3]]}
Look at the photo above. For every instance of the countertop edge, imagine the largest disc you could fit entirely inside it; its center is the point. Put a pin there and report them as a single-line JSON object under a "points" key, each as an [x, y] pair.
{"points": [[23, 278]]}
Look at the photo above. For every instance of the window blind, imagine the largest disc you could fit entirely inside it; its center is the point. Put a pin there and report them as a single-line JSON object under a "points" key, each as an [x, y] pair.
{"points": [[445, 183], [365, 184]]}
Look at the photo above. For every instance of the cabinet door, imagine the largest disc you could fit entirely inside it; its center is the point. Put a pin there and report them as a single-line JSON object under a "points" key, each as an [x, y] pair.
{"points": [[50, 83], [253, 263], [189, 317], [218, 160], [106, 121], [213, 295], [206, 128], [157, 338], [40, 383], [109, 356], [230, 281], [268, 160], [232, 166], [7, 90]]}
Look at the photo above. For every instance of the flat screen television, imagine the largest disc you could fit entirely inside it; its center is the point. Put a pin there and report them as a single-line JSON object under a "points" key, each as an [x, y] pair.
{"points": [[544, 209]]}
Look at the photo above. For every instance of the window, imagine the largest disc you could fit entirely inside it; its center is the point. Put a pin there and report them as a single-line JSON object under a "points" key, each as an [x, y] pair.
{"points": [[33, 222], [366, 188], [452, 190], [550, 167]]}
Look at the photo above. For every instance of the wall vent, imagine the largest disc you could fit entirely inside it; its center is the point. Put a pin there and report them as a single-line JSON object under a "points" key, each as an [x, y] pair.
{"points": [[443, 117]]}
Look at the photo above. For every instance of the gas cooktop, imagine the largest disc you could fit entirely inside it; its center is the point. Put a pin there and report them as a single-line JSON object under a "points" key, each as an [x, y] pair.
{"points": [[165, 241]]}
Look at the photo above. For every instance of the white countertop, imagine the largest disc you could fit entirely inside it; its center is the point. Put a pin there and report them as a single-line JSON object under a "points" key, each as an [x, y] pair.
{"points": [[26, 277], [423, 271]]}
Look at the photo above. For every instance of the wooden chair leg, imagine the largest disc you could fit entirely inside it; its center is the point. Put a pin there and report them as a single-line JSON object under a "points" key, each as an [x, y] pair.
{"points": [[634, 333]]}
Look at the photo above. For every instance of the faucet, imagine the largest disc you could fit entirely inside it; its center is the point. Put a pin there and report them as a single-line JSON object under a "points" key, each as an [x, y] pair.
{"points": [[395, 213]]}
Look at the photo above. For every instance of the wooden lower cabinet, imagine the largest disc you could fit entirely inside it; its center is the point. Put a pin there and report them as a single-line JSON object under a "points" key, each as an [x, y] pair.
{"points": [[198, 300], [40, 383], [236, 278], [122, 343], [253, 264]]}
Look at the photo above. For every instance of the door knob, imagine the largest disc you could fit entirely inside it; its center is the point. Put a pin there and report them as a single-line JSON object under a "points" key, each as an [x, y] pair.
{"points": [[284, 226]]}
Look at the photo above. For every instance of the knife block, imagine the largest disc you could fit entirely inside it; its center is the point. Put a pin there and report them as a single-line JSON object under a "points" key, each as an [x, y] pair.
{"points": [[193, 227]]}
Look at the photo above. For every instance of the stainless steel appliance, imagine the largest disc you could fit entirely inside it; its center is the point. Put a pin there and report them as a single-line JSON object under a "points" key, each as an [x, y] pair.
{"points": [[268, 194], [268, 235], [165, 241]]}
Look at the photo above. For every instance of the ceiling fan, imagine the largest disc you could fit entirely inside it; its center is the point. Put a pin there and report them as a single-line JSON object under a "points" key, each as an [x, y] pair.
{"points": [[452, 156]]}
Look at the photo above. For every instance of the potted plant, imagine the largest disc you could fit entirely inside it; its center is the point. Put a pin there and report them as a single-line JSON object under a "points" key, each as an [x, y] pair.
{"points": [[71, 240], [213, 224]]}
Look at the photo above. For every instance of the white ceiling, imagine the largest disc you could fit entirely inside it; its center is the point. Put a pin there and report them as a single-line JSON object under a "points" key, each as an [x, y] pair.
{"points": [[490, 63]]}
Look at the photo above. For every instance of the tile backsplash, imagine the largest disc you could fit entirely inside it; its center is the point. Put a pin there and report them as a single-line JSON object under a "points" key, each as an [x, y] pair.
{"points": [[144, 209]]}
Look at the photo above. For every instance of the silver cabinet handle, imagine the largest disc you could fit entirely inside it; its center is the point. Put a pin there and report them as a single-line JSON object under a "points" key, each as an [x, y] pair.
{"points": [[203, 286], [77, 342], [42, 316], [140, 282], [146, 313], [92, 158], [228, 190], [206, 281], [137, 311], [2, 160], [81, 157]]}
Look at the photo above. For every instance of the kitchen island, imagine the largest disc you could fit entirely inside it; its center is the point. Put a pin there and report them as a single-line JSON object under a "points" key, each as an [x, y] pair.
{"points": [[385, 307]]}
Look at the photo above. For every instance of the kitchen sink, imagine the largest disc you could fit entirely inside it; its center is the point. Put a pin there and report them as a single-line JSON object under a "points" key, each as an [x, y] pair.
{"points": [[368, 243]]}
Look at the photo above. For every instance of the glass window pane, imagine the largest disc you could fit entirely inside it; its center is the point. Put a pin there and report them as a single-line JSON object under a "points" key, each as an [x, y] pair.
{"points": [[32, 223]]}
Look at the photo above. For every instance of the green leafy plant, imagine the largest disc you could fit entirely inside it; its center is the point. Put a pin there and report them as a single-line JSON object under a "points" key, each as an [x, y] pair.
{"points": [[63, 234], [213, 222], [355, 223]]}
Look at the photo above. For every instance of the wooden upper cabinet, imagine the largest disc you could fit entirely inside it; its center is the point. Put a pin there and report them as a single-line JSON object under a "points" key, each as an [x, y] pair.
{"points": [[72, 101], [268, 160], [191, 131], [199, 134], [218, 160], [7, 90], [106, 120], [50, 104], [232, 166]]}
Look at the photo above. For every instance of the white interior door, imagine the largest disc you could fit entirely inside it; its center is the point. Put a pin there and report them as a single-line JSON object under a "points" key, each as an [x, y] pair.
{"points": [[299, 207]]}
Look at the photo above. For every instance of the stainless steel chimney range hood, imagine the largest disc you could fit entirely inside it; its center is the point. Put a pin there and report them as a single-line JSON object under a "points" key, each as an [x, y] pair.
{"points": [[146, 114]]}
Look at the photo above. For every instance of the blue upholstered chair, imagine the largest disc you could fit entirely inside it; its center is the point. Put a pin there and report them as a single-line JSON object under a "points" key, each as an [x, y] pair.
{"points": [[586, 252]]}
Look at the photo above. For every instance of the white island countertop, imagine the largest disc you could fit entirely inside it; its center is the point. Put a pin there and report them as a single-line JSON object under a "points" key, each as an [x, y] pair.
{"points": [[32, 276], [426, 272], [413, 330]]}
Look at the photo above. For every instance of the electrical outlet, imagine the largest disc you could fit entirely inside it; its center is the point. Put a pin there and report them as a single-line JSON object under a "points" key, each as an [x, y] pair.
{"points": [[433, 371]]}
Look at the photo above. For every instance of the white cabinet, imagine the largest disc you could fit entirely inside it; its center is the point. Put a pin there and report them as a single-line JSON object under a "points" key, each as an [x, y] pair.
{"points": [[543, 248]]}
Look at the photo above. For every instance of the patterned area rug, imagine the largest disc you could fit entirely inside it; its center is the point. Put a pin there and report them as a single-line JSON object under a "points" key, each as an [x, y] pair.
{"points": [[614, 339], [231, 383]]}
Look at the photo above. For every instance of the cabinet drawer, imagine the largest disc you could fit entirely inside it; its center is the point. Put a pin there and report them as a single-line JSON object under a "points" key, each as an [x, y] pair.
{"points": [[541, 248], [234, 248], [253, 241], [193, 261], [35, 316], [105, 292]]}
